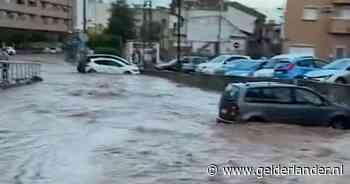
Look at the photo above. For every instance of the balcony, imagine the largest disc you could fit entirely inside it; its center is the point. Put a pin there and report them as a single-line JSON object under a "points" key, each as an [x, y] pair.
{"points": [[339, 26], [341, 2]]}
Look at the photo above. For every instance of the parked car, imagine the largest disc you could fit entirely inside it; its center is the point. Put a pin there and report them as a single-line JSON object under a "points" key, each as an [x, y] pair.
{"points": [[297, 68], [10, 51], [172, 65], [283, 103], [337, 71], [189, 64], [216, 65], [107, 64], [245, 68], [290, 66]]}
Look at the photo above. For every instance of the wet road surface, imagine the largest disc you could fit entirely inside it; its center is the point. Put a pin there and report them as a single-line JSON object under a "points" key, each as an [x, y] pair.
{"points": [[101, 129]]}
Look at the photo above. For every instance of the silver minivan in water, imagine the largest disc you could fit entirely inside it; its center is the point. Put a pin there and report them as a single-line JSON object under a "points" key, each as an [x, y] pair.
{"points": [[283, 103]]}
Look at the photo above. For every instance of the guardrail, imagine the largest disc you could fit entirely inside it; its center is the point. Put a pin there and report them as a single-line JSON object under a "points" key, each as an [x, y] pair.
{"points": [[16, 73]]}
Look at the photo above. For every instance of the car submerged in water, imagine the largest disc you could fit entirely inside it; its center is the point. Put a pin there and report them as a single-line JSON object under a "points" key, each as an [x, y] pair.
{"points": [[283, 103], [102, 63]]}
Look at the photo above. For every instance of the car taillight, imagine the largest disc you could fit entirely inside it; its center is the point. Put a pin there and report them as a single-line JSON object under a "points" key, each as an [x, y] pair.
{"points": [[286, 67]]}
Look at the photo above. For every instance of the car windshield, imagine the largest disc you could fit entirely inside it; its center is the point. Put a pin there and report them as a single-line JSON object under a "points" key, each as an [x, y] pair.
{"points": [[275, 63], [338, 65], [247, 65]]}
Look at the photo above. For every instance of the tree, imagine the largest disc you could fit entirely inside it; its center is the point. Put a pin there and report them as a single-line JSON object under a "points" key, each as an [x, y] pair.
{"points": [[121, 24], [151, 31]]}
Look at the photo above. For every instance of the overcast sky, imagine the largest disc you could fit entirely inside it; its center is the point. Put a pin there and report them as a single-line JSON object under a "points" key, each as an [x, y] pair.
{"points": [[268, 7]]}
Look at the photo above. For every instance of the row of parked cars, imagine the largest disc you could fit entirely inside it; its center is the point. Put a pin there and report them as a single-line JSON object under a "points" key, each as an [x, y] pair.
{"points": [[289, 66]]}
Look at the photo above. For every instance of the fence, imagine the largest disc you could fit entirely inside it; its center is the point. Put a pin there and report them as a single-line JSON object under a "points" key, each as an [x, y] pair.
{"points": [[15, 73]]}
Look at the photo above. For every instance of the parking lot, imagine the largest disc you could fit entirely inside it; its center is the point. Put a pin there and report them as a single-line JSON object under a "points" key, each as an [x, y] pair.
{"points": [[93, 128]]}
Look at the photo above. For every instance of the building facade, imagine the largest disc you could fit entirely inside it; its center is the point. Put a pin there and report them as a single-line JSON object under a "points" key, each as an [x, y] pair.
{"points": [[98, 14], [218, 27], [36, 15], [319, 27], [159, 15]]}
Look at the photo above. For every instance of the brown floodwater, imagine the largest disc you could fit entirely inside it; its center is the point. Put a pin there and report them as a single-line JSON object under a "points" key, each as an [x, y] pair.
{"points": [[99, 129]]}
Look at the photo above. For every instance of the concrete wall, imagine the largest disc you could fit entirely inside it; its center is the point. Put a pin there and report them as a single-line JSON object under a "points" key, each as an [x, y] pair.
{"points": [[337, 93]]}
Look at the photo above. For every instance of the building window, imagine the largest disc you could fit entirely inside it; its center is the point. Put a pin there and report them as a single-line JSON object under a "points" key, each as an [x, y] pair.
{"points": [[55, 20], [43, 5], [20, 2], [21, 17], [45, 20], [344, 13], [11, 15], [340, 52], [311, 14], [32, 17], [32, 3], [65, 9]]}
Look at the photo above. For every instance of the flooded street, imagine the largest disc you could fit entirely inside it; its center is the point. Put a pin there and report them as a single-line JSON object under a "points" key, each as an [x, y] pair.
{"points": [[100, 129]]}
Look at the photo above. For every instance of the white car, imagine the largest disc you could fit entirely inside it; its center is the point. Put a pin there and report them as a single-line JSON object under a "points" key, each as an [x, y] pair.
{"points": [[337, 72], [10, 51], [216, 64], [269, 69], [111, 66]]}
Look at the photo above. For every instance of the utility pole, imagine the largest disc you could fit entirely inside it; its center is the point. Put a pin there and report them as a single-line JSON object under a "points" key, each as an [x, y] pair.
{"points": [[220, 26], [147, 16], [84, 16], [179, 23]]}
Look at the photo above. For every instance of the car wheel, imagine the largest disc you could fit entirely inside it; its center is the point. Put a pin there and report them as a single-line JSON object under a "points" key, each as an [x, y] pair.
{"points": [[340, 81], [127, 73], [339, 123], [92, 71]]}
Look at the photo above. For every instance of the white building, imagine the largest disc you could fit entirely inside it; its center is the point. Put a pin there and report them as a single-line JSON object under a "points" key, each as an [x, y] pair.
{"points": [[97, 14], [225, 29]]}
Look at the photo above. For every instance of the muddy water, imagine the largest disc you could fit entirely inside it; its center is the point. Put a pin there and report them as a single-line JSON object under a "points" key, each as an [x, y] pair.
{"points": [[89, 129]]}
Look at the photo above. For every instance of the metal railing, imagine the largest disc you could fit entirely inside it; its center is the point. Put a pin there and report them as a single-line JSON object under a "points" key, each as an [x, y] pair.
{"points": [[12, 73]]}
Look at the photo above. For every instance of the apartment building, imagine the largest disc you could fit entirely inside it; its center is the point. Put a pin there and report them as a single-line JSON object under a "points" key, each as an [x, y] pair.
{"points": [[36, 15], [319, 27]]}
